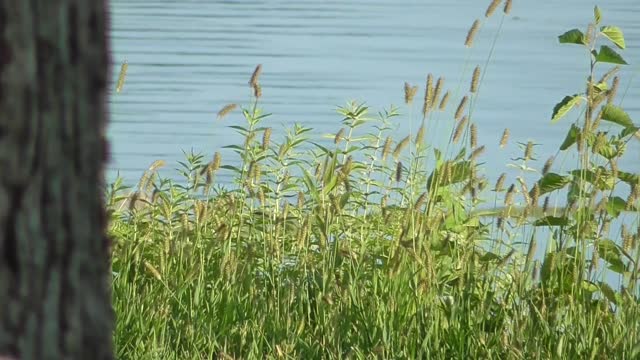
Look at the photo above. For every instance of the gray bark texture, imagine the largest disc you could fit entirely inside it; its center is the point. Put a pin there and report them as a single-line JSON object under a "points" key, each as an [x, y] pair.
{"points": [[54, 252]]}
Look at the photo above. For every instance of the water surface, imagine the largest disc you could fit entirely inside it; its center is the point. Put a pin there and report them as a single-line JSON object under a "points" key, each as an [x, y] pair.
{"points": [[187, 59]]}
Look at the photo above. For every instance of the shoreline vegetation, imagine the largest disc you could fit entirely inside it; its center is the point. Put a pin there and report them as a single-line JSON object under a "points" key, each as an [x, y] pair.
{"points": [[375, 247]]}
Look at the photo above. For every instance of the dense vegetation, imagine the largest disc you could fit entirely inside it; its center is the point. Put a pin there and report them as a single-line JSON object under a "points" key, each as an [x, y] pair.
{"points": [[390, 248]]}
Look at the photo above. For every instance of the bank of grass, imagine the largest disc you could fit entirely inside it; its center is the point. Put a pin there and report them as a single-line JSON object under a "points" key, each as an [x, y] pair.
{"points": [[368, 246]]}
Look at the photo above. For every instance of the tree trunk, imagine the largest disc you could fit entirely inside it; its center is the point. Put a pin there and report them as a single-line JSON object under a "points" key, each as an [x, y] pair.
{"points": [[54, 253]]}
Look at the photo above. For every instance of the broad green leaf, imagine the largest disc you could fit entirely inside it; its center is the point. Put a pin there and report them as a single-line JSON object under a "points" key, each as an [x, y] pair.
{"points": [[489, 256], [608, 55], [551, 182], [610, 252], [232, 168], [460, 171], [608, 151], [614, 34], [629, 130], [615, 206], [603, 182], [616, 115], [589, 286], [571, 138], [629, 178], [573, 36], [563, 107], [608, 292], [597, 15], [601, 86], [552, 221]]}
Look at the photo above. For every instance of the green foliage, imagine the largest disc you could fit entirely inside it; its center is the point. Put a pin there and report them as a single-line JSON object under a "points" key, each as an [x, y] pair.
{"points": [[360, 247]]}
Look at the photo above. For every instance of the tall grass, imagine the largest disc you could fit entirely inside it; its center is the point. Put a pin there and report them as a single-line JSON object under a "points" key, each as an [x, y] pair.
{"points": [[388, 248]]}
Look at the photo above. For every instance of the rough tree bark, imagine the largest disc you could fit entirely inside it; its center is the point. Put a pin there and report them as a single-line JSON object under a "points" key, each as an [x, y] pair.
{"points": [[54, 256]]}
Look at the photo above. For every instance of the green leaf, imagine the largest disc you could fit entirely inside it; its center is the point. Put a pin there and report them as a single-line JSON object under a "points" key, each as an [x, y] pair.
{"points": [[547, 265], [603, 182], [563, 107], [460, 171], [608, 55], [614, 34], [629, 130], [635, 351], [573, 36], [489, 256], [629, 178], [616, 115], [551, 182], [571, 138], [608, 292], [552, 221], [597, 15], [615, 206], [610, 252], [589, 286]]}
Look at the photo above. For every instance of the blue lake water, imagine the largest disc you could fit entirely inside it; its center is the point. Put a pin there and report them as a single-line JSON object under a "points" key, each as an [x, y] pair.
{"points": [[187, 59]]}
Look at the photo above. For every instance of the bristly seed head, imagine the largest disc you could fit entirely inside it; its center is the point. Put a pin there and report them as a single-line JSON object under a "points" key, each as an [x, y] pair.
{"points": [[460, 129], [504, 138], [436, 92], [443, 102], [614, 89], [420, 201], [500, 182], [472, 33], [507, 7], [339, 136], [300, 201], [492, 8], [545, 206], [461, 106], [217, 159], [428, 96], [266, 138], [473, 139], [535, 194], [255, 76], [475, 80], [409, 93], [477, 152], [528, 151], [386, 148], [399, 171], [420, 135], [508, 199], [257, 91], [401, 145], [547, 165], [121, 76], [226, 110]]}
